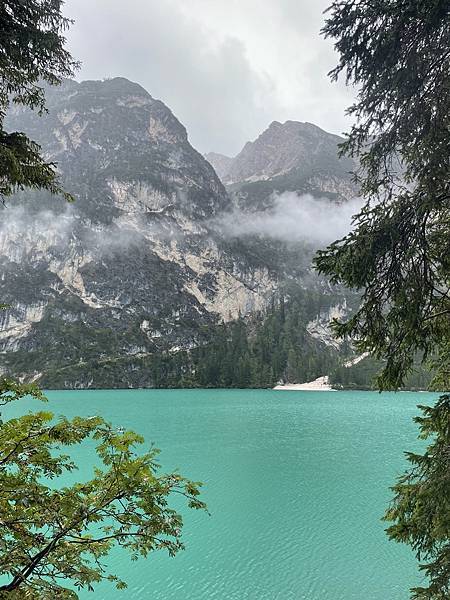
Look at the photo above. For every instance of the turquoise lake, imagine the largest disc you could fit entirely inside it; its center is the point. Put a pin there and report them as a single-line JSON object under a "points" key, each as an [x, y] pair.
{"points": [[296, 483]]}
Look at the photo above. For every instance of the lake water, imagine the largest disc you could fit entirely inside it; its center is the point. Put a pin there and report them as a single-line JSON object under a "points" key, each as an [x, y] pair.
{"points": [[296, 483]]}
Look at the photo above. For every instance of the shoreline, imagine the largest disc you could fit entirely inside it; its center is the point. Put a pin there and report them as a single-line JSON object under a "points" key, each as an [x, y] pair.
{"points": [[318, 385]]}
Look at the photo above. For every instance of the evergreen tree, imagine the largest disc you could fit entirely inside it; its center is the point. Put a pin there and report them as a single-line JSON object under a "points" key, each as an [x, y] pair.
{"points": [[32, 52], [397, 52]]}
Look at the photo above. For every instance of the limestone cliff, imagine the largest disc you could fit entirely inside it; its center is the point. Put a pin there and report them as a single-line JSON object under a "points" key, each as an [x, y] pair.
{"points": [[137, 266]]}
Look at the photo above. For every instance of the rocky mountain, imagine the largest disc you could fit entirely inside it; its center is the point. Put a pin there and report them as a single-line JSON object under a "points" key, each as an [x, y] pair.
{"points": [[220, 162], [132, 266], [290, 156], [138, 267]]}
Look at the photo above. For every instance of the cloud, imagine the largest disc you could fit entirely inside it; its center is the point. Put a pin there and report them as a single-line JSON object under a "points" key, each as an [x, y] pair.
{"points": [[293, 218], [226, 68], [22, 230], [25, 233], [125, 232], [207, 81]]}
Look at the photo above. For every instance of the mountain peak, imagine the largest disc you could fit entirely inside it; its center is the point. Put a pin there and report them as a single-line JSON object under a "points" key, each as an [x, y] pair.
{"points": [[289, 126], [114, 86], [280, 149]]}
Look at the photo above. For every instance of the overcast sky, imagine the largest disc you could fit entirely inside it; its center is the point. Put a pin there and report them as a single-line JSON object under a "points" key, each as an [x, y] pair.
{"points": [[226, 68]]}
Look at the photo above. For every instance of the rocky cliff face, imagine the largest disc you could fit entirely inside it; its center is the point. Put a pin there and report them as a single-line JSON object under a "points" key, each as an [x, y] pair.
{"points": [[220, 162], [298, 159], [290, 156], [138, 266], [133, 266]]}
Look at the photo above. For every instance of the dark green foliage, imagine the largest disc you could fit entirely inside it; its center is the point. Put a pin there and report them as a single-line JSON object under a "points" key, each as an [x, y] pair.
{"points": [[421, 506], [21, 159], [53, 536], [398, 54], [362, 375], [256, 352], [32, 51], [272, 346]]}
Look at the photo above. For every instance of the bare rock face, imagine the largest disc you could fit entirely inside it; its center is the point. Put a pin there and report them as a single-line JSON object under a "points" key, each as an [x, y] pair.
{"points": [[136, 267], [220, 162], [290, 156], [282, 148], [132, 267]]}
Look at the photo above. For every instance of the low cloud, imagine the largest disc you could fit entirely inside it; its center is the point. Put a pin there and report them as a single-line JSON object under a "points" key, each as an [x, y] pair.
{"points": [[44, 228], [23, 231], [127, 231], [294, 218]]}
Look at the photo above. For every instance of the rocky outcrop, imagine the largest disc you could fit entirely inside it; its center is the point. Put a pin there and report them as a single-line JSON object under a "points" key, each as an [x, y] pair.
{"points": [[132, 266], [320, 329], [137, 266], [290, 156], [220, 162]]}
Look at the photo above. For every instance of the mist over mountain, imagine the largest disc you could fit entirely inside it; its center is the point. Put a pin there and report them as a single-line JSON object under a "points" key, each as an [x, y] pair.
{"points": [[154, 253], [293, 218]]}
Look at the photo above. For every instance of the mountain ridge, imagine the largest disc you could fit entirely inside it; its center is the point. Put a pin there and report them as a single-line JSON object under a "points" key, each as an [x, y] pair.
{"points": [[137, 268], [281, 149]]}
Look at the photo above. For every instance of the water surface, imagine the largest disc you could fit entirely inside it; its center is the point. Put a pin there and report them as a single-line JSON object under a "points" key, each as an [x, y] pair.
{"points": [[296, 483]]}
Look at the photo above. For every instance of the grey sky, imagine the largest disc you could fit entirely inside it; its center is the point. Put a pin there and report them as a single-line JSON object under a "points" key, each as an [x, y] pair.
{"points": [[226, 68]]}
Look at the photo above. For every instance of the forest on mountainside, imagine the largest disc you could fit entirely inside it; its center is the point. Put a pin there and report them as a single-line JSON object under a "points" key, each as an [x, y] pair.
{"points": [[273, 347], [258, 351]]}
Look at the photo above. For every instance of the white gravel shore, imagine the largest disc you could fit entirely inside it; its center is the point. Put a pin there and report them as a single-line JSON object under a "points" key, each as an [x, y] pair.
{"points": [[318, 385]]}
